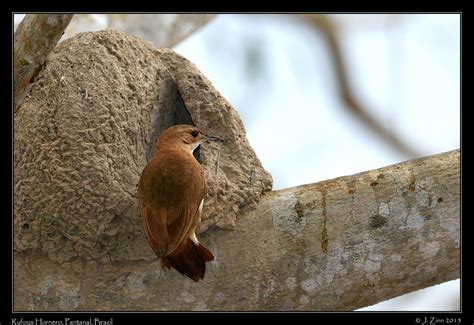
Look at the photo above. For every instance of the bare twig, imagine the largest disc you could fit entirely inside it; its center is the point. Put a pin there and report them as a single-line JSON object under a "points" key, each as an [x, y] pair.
{"points": [[35, 38], [326, 26]]}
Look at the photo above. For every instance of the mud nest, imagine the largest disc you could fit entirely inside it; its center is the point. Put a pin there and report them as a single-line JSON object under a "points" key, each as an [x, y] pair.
{"points": [[88, 127]]}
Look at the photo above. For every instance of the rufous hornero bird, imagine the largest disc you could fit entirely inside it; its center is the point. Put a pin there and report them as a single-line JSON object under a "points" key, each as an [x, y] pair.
{"points": [[171, 193]]}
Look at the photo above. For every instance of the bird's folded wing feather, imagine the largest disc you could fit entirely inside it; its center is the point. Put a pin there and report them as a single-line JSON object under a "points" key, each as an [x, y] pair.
{"points": [[156, 229], [180, 224], [167, 223]]}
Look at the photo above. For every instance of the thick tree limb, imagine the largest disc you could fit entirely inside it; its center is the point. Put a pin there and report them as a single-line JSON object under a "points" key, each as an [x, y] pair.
{"points": [[35, 37], [326, 26], [341, 244]]}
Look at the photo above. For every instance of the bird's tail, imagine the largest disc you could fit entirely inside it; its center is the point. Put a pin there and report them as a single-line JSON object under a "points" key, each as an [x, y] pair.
{"points": [[190, 261]]}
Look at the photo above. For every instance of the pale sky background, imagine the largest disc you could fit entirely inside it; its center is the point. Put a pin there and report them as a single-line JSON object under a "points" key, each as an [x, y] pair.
{"points": [[276, 72]]}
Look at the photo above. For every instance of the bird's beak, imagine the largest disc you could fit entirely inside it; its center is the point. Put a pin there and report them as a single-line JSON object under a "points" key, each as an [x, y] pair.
{"points": [[213, 138]]}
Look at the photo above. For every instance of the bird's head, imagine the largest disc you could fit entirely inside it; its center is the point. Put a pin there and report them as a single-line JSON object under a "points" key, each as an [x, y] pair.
{"points": [[187, 136]]}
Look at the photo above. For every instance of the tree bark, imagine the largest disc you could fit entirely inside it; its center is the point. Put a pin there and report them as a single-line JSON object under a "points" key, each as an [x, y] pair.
{"points": [[35, 38], [335, 245]]}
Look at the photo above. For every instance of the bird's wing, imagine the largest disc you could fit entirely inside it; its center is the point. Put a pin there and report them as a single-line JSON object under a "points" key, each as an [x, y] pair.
{"points": [[169, 213], [156, 228], [180, 224]]}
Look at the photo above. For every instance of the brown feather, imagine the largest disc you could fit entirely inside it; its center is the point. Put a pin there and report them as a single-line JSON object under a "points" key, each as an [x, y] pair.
{"points": [[156, 231], [190, 261], [171, 189], [170, 200]]}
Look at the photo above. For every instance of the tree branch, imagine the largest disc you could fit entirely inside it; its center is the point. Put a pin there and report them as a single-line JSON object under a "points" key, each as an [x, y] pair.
{"points": [[35, 37], [163, 30], [324, 23], [340, 244]]}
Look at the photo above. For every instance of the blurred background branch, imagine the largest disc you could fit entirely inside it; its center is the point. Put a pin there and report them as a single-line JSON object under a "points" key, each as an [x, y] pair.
{"points": [[329, 31], [163, 30]]}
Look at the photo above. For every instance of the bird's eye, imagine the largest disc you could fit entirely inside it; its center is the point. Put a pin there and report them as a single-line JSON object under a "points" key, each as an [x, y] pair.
{"points": [[194, 133]]}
